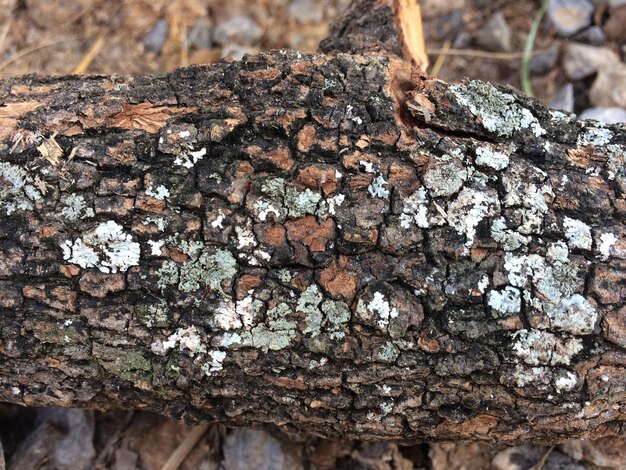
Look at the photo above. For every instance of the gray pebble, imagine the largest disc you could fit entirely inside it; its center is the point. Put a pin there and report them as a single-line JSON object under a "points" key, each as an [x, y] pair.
{"points": [[563, 99], [200, 34], [306, 11], [605, 115], [580, 61], [570, 16], [495, 35], [593, 36], [155, 38], [543, 62], [241, 30]]}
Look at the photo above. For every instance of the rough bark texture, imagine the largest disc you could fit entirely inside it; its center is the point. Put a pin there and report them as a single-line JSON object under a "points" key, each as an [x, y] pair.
{"points": [[321, 243]]}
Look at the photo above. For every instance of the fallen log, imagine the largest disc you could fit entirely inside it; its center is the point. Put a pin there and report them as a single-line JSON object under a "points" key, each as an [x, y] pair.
{"points": [[336, 244]]}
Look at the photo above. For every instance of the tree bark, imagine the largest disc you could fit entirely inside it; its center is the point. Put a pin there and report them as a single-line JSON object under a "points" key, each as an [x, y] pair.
{"points": [[326, 243]]}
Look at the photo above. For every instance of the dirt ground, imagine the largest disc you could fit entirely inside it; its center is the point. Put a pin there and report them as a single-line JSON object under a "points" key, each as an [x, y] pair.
{"points": [[147, 36]]}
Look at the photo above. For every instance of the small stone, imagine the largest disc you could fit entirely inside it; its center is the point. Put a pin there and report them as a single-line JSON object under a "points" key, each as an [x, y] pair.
{"points": [[543, 62], [236, 52], [155, 38], [609, 88], [570, 16], [605, 115], [608, 452], [306, 11], [244, 449], [580, 60], [614, 26], [593, 36], [241, 30], [563, 100], [199, 35], [495, 35]]}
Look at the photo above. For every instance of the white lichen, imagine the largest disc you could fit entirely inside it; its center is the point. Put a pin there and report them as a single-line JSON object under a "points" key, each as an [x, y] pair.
{"points": [[75, 207], [381, 307], [607, 240], [499, 112], [218, 222], [18, 193], [542, 348], [189, 159], [106, 247], [216, 362], [506, 301], [469, 208], [156, 247], [566, 383], [264, 209], [483, 284], [187, 339], [245, 238], [577, 233], [160, 192], [487, 156], [334, 202], [594, 136], [367, 166], [415, 210], [377, 187]]}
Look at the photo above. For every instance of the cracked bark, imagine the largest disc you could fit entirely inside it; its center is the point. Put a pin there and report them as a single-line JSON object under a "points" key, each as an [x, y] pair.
{"points": [[331, 243]]}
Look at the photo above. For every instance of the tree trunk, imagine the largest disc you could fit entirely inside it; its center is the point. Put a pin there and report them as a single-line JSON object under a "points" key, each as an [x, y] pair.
{"points": [[326, 243]]}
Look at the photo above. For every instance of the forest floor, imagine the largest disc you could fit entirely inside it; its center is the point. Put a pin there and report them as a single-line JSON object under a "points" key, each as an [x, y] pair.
{"points": [[577, 66]]}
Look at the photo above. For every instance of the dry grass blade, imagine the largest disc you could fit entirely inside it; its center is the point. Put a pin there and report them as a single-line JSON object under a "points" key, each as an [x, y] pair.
{"points": [[441, 58], [185, 447], [481, 54], [91, 54], [539, 465], [29, 50]]}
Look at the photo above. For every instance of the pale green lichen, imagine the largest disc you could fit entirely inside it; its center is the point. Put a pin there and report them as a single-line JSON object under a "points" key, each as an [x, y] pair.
{"points": [[153, 315], [75, 207], [447, 176], [273, 187], [300, 203], [210, 269], [387, 352], [20, 193], [555, 280], [499, 112], [308, 303], [277, 334], [542, 348]]}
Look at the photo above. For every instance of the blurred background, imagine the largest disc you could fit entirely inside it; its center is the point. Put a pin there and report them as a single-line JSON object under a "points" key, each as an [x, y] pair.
{"points": [[575, 64]]}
